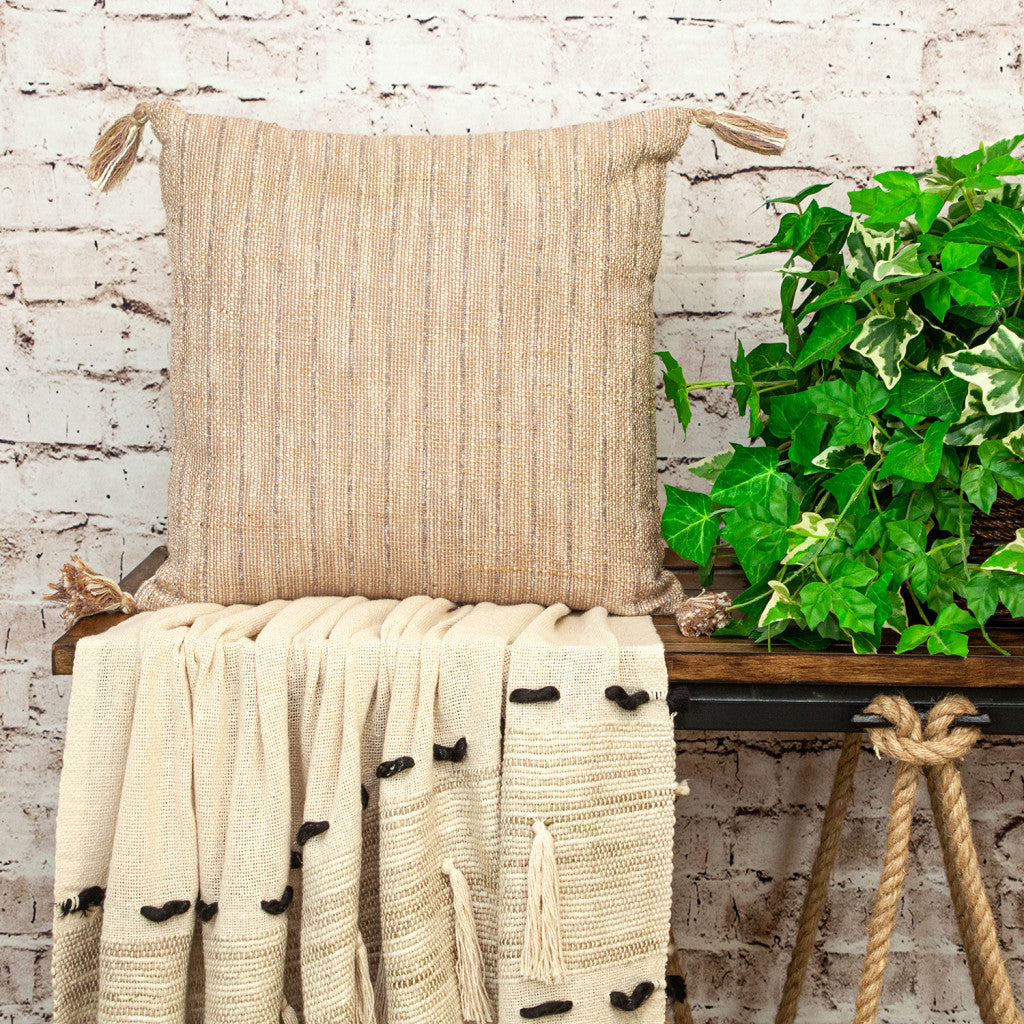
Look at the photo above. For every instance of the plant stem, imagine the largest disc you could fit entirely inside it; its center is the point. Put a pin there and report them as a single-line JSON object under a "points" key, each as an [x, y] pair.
{"points": [[990, 641]]}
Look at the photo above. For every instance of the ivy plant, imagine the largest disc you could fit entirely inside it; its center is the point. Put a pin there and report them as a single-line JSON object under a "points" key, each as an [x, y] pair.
{"points": [[885, 417]]}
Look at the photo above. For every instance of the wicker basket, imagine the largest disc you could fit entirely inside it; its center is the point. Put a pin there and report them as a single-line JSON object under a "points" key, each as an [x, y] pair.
{"points": [[996, 528]]}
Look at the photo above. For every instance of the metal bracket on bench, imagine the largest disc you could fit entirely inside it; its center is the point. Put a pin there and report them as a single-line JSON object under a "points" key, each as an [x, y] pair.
{"points": [[799, 707]]}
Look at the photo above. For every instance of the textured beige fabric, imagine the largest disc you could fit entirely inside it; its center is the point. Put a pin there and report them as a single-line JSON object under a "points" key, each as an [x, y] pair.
{"points": [[414, 365], [186, 724]]}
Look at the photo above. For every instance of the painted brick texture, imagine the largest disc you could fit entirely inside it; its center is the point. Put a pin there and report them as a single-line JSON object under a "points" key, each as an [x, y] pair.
{"points": [[85, 416]]}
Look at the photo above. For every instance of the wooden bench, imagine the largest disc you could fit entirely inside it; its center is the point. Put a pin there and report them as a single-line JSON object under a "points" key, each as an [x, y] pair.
{"points": [[729, 684]]}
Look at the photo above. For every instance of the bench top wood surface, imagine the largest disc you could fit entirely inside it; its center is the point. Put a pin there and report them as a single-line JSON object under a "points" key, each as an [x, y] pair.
{"points": [[731, 659]]}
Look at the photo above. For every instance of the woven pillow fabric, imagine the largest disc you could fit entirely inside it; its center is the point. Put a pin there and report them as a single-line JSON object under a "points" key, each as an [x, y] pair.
{"points": [[414, 365]]}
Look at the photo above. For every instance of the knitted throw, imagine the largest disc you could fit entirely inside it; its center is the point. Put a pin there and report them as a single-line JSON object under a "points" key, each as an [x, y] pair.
{"points": [[414, 364], [368, 811]]}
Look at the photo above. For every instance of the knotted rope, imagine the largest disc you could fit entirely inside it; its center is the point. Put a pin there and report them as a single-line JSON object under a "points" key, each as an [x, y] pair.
{"points": [[937, 751]]}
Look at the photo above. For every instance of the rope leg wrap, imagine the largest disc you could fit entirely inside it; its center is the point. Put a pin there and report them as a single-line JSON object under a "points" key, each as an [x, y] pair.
{"points": [[937, 751]]}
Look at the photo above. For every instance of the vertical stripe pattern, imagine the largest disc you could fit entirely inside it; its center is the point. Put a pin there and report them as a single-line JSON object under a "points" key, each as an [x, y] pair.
{"points": [[415, 364]]}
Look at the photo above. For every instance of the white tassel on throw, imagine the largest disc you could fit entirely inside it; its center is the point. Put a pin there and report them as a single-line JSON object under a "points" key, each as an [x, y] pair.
{"points": [[469, 961], [365, 1010], [288, 1014], [542, 941]]}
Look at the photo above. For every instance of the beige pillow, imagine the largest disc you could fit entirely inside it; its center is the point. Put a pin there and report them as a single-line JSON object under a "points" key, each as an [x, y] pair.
{"points": [[413, 365]]}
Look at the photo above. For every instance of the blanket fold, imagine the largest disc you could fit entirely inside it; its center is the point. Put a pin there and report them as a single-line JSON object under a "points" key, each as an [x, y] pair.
{"points": [[324, 810]]}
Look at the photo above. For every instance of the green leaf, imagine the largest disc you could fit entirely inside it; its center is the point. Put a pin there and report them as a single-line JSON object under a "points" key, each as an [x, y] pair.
{"points": [[794, 416], [997, 368], [915, 458], [709, 468], [750, 476], [801, 195], [883, 340], [970, 288], [852, 609], [979, 485], [781, 606], [929, 206], [675, 388], [690, 524], [992, 224], [981, 592], [758, 538], [936, 298], [846, 485], [1011, 592], [960, 255], [1009, 558], [913, 636], [926, 394], [831, 332]]}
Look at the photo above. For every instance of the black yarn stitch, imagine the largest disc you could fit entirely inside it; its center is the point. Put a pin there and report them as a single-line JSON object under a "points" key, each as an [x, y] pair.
{"points": [[364, 796], [89, 897], [172, 908], [206, 911], [281, 905], [675, 987], [546, 1009], [539, 696], [627, 701], [454, 754], [388, 768], [309, 829], [632, 1002], [678, 700], [296, 858]]}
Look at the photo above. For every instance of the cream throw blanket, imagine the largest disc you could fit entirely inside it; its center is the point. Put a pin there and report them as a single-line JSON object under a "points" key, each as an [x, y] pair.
{"points": [[351, 810]]}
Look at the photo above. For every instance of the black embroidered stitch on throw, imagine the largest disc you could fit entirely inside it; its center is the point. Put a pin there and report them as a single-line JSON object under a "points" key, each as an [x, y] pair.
{"points": [[91, 896], [364, 796], [454, 754], [388, 768], [309, 829], [546, 1009], [296, 858], [172, 908], [678, 700], [539, 696], [675, 987], [627, 701], [281, 905], [633, 1002], [206, 911]]}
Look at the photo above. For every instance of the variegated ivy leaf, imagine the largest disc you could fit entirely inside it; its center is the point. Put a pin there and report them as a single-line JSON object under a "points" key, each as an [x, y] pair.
{"points": [[709, 468], [781, 606], [805, 535], [883, 340], [866, 249], [976, 425], [997, 367], [1015, 441], [906, 263], [1009, 558]]}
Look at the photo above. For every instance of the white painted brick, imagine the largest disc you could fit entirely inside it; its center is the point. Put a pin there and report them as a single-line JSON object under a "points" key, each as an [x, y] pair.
{"points": [[689, 62], [56, 266], [150, 8], [520, 56], [144, 54], [406, 51], [47, 53], [246, 8]]}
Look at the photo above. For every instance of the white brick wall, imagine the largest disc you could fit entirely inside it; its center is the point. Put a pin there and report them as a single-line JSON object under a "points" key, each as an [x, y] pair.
{"points": [[84, 416]]}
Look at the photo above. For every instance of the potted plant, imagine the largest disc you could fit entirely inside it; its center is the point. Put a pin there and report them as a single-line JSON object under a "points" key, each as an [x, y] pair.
{"points": [[890, 417]]}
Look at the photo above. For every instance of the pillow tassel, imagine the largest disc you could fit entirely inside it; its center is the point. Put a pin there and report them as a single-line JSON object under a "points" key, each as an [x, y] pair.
{"points": [[365, 1010], [542, 942], [476, 1007], [85, 592], [744, 132], [288, 1014], [115, 151]]}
